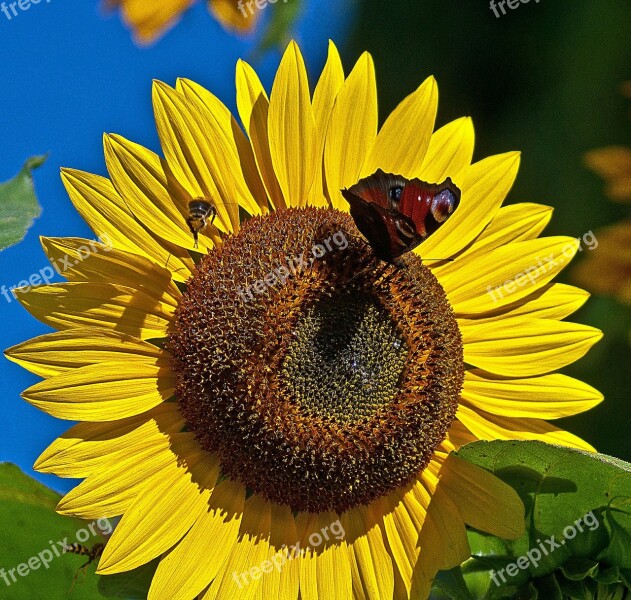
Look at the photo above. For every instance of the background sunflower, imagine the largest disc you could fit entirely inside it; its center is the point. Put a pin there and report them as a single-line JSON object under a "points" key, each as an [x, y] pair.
{"points": [[609, 271], [150, 20]]}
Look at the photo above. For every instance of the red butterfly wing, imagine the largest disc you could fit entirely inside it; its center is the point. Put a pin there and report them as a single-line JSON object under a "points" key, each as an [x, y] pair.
{"points": [[396, 214], [428, 205], [377, 188], [389, 232]]}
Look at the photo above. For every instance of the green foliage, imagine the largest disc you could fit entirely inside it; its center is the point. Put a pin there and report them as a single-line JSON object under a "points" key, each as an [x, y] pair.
{"points": [[278, 30], [18, 204], [28, 525], [133, 585], [578, 519]]}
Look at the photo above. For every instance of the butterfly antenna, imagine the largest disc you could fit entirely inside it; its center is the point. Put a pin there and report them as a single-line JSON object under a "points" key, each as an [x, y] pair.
{"points": [[440, 259]]}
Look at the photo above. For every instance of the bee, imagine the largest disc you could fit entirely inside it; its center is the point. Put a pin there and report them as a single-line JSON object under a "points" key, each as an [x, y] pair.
{"points": [[200, 210], [93, 554]]}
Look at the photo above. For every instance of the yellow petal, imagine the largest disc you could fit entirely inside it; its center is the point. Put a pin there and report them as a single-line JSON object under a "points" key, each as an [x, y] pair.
{"points": [[110, 492], [352, 130], [164, 510], [620, 189], [90, 446], [548, 397], [484, 501], [210, 113], [282, 579], [429, 560], [83, 260], [325, 568], [104, 392], [514, 223], [507, 274], [253, 107], [150, 20], [371, 565], [324, 96], [606, 270], [402, 534], [443, 542], [241, 576], [484, 187], [292, 128], [139, 176], [450, 151], [110, 218], [521, 347], [306, 524], [552, 301], [189, 567], [232, 15], [457, 436], [486, 426], [403, 141], [200, 155], [218, 111], [63, 351], [116, 307], [610, 162]]}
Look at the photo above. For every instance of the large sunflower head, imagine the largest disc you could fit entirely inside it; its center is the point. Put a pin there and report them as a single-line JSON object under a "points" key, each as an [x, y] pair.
{"points": [[271, 411]]}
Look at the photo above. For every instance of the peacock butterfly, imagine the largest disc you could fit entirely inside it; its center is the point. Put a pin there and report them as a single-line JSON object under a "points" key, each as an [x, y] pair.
{"points": [[396, 214]]}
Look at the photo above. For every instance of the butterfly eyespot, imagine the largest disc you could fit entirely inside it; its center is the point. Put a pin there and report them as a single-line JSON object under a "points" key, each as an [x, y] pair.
{"points": [[443, 205], [395, 194]]}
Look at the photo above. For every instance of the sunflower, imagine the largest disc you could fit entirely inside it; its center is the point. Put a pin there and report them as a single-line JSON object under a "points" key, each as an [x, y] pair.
{"points": [[272, 412], [608, 271], [149, 20]]}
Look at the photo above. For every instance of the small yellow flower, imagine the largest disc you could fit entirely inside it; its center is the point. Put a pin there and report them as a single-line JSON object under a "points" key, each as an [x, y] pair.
{"points": [[236, 418], [149, 20]]}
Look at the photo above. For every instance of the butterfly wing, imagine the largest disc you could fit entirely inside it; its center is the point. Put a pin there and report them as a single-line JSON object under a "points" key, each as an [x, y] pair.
{"points": [[378, 188], [396, 214], [428, 205], [373, 207]]}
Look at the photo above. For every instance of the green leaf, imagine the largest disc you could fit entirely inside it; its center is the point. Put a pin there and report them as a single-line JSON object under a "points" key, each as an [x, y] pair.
{"points": [[32, 537], [132, 585], [18, 204], [451, 584], [549, 588], [578, 519], [279, 28]]}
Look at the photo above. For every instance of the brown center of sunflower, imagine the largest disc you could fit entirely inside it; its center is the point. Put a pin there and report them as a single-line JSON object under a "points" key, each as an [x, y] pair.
{"points": [[322, 377]]}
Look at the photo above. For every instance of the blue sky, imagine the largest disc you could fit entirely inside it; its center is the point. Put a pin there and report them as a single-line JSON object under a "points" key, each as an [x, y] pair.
{"points": [[68, 74]]}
